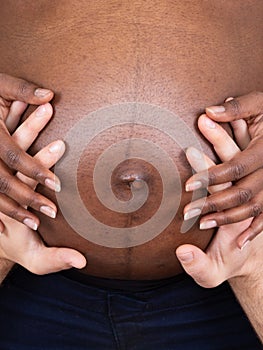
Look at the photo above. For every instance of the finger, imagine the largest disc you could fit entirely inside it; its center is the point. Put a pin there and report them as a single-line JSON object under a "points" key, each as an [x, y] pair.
{"points": [[242, 107], [48, 260], [48, 156], [246, 196], [199, 266], [12, 187], [239, 166], [15, 89], [15, 158], [16, 110], [240, 130], [251, 232], [199, 162], [224, 145], [27, 132], [15, 211]]}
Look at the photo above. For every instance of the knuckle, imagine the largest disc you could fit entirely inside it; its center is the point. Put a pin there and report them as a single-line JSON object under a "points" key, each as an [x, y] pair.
{"points": [[237, 171], [235, 106], [211, 178], [14, 213], [4, 185], [210, 206], [255, 210], [225, 220], [244, 195], [23, 89], [32, 200], [37, 174], [12, 158]]}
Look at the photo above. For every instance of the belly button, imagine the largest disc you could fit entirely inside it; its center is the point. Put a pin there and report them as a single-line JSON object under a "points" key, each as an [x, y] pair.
{"points": [[134, 182]]}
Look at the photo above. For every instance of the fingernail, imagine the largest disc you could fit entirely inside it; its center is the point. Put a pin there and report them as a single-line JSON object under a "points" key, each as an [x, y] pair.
{"points": [[207, 224], [229, 99], [53, 185], [210, 124], [41, 111], [42, 92], [191, 186], [30, 223], [56, 147], [216, 109], [192, 213], [195, 153], [48, 211], [244, 243], [186, 257]]}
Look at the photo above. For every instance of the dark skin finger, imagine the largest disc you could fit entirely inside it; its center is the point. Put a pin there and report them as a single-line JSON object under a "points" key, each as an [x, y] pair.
{"points": [[242, 192], [250, 108], [233, 215], [12, 209], [25, 196], [17, 159], [15, 89]]}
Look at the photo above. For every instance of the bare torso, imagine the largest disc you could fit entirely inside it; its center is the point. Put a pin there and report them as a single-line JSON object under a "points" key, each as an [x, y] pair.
{"points": [[180, 56]]}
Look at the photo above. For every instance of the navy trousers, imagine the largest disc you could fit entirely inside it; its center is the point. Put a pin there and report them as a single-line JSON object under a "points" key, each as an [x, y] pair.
{"points": [[54, 312]]}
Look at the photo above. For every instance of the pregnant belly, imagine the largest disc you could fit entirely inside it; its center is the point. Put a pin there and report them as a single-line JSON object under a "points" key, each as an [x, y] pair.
{"points": [[130, 80], [123, 192]]}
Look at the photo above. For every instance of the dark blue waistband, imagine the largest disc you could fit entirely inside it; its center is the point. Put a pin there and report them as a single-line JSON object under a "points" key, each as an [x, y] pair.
{"points": [[121, 284]]}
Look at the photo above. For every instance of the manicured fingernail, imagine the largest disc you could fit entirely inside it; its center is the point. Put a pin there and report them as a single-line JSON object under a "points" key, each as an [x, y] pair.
{"points": [[186, 257], [210, 124], [207, 224], [229, 99], [48, 211], [42, 92], [192, 213], [55, 147], [191, 186], [41, 111], [30, 223], [53, 185], [216, 109]]}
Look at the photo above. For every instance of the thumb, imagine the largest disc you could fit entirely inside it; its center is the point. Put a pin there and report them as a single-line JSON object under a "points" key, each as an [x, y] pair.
{"points": [[242, 107], [49, 260], [198, 265], [15, 89]]}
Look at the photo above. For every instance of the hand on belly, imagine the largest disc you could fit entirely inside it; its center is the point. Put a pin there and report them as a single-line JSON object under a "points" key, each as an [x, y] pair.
{"points": [[121, 200]]}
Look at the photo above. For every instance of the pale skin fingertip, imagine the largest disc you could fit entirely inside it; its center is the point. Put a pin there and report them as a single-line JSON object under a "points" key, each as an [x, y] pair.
{"points": [[57, 147], [186, 257], [30, 223], [44, 110]]}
